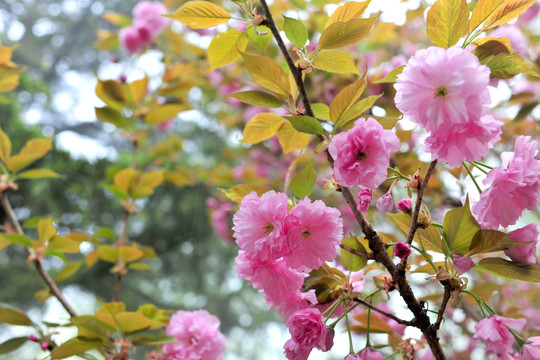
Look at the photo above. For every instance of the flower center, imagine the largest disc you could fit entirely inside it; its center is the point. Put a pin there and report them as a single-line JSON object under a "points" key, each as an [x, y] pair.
{"points": [[441, 92], [306, 233], [268, 228], [361, 156]]}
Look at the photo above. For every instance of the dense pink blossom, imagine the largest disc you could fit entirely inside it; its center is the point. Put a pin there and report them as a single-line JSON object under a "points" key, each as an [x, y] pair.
{"points": [[385, 203], [369, 354], [307, 328], [294, 351], [150, 15], [402, 250], [525, 253], [465, 142], [294, 301], [362, 154], [259, 225], [462, 264], [130, 38], [364, 200], [493, 332], [513, 187], [314, 232], [531, 350], [405, 205], [198, 336], [442, 87]]}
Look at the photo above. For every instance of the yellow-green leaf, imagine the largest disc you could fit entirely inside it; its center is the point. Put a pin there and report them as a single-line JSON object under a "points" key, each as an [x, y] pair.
{"points": [[200, 14], [237, 193], [341, 34], [163, 113], [68, 271], [38, 174], [130, 253], [346, 98], [64, 244], [486, 241], [138, 88], [108, 311], [180, 177], [259, 36], [12, 344], [33, 150], [376, 324], [510, 270], [358, 109], [267, 73], [257, 98], [447, 21], [306, 124], [13, 316], [291, 139], [321, 111], [5, 146], [492, 13], [295, 31], [9, 78], [459, 228], [349, 10], [46, 230], [303, 182], [261, 127], [506, 66], [131, 322], [351, 261], [111, 116], [108, 253], [335, 61], [74, 347], [124, 179], [488, 46], [225, 48], [391, 77]]}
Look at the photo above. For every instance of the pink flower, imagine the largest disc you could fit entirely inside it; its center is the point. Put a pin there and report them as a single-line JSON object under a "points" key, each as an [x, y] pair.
{"points": [[402, 250], [531, 350], [258, 225], [513, 187], [198, 336], [494, 332], [307, 328], [293, 351], [440, 88], [362, 154], [470, 141], [368, 354], [364, 200], [462, 264], [314, 232], [131, 40], [525, 253], [294, 301], [149, 14], [405, 205], [385, 203]]}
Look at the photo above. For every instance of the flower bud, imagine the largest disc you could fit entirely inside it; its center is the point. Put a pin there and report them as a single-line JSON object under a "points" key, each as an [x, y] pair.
{"points": [[385, 203], [364, 199], [402, 250], [414, 183], [405, 205], [304, 63], [44, 345], [443, 274], [33, 338]]}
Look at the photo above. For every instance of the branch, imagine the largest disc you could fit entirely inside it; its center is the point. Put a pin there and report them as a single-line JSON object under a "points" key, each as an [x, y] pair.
{"points": [[447, 293], [388, 315], [357, 253], [55, 291]]}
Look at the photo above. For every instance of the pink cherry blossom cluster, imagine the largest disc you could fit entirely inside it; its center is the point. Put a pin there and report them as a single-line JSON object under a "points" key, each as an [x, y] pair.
{"points": [[198, 337], [446, 92], [278, 248], [148, 23], [220, 216]]}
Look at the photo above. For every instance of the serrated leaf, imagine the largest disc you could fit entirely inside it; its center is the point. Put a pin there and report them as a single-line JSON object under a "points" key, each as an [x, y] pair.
{"points": [[492, 13], [46, 230], [69, 270], [321, 111], [335, 61], [488, 46], [447, 21], [295, 31], [349, 10], [164, 113], [158, 317], [506, 66], [12, 316], [237, 193], [306, 124], [108, 311], [64, 244], [200, 14], [358, 109], [112, 116], [486, 241], [341, 34], [89, 328], [268, 74], [392, 76], [459, 228], [353, 262], [12, 344], [5, 146], [257, 98], [225, 47], [74, 347], [108, 253], [261, 127], [291, 139], [131, 322], [130, 253], [510, 270], [259, 36], [303, 182], [124, 179], [33, 150], [346, 98]]}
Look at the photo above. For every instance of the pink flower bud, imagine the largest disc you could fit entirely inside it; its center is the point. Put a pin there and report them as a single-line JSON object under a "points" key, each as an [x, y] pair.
{"points": [[329, 339], [405, 205], [364, 199], [33, 338], [385, 203], [44, 345], [402, 250]]}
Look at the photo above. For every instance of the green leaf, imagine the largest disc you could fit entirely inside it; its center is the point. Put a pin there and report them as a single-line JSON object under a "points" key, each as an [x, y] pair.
{"points": [[486, 241], [17, 239], [459, 228], [295, 31], [303, 183], [68, 271], [237, 193], [321, 111], [38, 174], [89, 328], [12, 344], [510, 270], [74, 347], [261, 127], [268, 74], [139, 266], [430, 238], [257, 98], [46, 230], [291, 139], [112, 116], [108, 253], [164, 113], [341, 34], [132, 322], [447, 21], [5, 146], [349, 10], [225, 47], [346, 98], [391, 77], [353, 262], [200, 15], [14, 317], [492, 13], [259, 37], [354, 112], [506, 66], [151, 339], [387, 122], [335, 61], [488, 46], [306, 124]]}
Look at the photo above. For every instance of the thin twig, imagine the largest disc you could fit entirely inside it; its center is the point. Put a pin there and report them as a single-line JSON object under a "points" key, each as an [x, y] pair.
{"points": [[357, 253], [444, 303], [119, 273], [53, 288], [388, 315]]}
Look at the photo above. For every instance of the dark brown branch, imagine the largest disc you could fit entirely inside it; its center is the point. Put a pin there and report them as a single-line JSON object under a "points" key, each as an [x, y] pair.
{"points": [[388, 315], [357, 253], [376, 245], [53, 288], [447, 293]]}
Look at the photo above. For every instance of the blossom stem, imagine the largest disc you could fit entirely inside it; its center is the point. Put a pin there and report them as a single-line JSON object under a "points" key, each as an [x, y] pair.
{"points": [[351, 347], [472, 177], [478, 167], [482, 164], [330, 311]]}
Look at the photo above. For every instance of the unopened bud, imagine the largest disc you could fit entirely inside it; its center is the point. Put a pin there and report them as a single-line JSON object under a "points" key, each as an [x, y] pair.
{"points": [[414, 183], [402, 250], [405, 205], [443, 274], [304, 63], [44, 345], [33, 338]]}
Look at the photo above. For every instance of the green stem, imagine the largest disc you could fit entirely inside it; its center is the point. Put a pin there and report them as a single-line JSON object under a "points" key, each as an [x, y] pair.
{"points": [[351, 348], [482, 164], [479, 167], [423, 253], [330, 311], [472, 177]]}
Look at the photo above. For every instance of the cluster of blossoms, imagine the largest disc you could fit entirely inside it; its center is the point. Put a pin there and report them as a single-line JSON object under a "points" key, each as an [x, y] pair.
{"points": [[198, 337], [148, 23], [446, 92], [278, 248]]}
